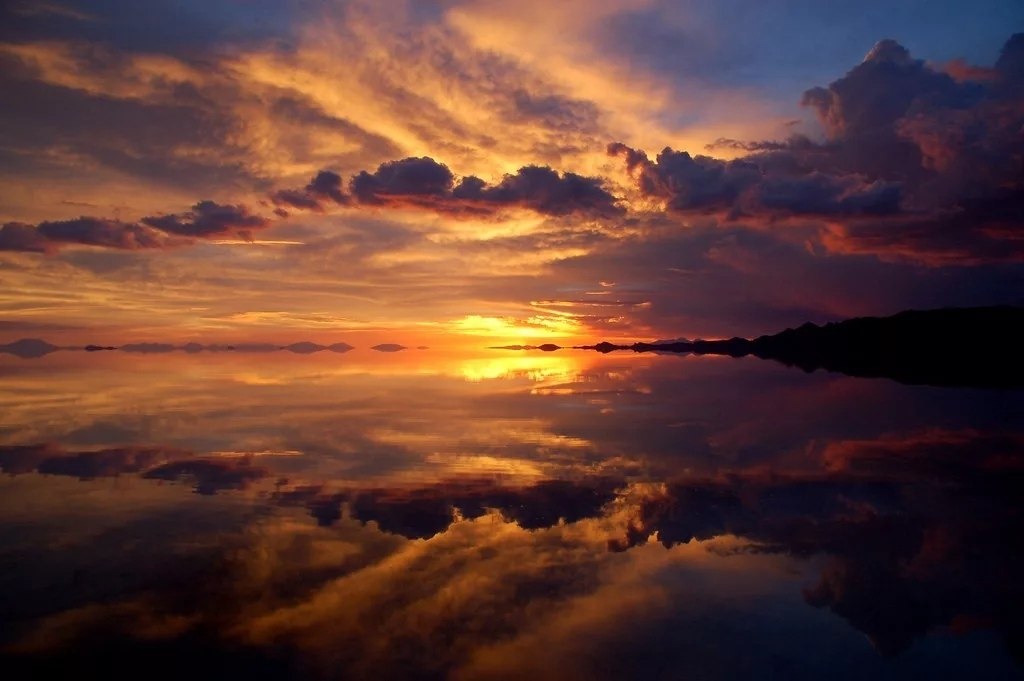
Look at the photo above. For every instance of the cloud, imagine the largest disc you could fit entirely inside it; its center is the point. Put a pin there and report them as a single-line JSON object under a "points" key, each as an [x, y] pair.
{"points": [[49, 236], [422, 182], [210, 476], [976, 232], [107, 462], [914, 526], [744, 188], [423, 512], [409, 179], [208, 219], [51, 459], [543, 190], [17, 236], [916, 165], [325, 188]]}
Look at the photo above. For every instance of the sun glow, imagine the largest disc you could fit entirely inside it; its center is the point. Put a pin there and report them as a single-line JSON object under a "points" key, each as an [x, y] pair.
{"points": [[512, 328]]}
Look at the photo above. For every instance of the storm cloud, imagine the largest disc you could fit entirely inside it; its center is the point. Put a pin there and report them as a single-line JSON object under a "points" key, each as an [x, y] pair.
{"points": [[916, 164]]}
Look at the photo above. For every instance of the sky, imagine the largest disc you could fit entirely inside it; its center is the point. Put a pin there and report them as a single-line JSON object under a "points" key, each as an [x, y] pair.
{"points": [[486, 171]]}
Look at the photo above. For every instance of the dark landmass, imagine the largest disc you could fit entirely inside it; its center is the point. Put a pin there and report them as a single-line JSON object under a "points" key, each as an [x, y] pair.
{"points": [[962, 347], [244, 347], [547, 347], [148, 347], [388, 347], [29, 348], [95, 348], [304, 348], [33, 348]]}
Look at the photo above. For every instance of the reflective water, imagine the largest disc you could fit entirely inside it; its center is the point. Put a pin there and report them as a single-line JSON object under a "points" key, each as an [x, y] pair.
{"points": [[501, 515]]}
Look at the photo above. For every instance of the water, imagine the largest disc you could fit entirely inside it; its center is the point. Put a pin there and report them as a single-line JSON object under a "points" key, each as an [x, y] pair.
{"points": [[501, 515]]}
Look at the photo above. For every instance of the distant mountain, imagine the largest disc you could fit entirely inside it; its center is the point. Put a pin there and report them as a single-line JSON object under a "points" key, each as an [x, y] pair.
{"points": [[148, 347], [245, 347], [388, 347], [979, 346], [304, 348], [29, 348], [671, 341]]}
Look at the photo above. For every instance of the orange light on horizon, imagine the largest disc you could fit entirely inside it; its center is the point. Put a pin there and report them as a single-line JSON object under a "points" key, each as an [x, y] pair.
{"points": [[514, 329]]}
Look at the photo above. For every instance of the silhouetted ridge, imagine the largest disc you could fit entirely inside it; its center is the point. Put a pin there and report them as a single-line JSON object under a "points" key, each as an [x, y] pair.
{"points": [[29, 348], [33, 348], [978, 346]]}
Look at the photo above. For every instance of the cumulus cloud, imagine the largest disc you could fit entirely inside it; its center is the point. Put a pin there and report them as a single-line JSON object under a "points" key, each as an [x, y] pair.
{"points": [[916, 164], [426, 511], [425, 182], [325, 188], [210, 476], [52, 459], [743, 187], [49, 236], [422, 182], [208, 219], [543, 190], [901, 561]]}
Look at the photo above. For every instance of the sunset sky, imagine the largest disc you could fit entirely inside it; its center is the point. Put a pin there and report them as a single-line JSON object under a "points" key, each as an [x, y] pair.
{"points": [[488, 171]]}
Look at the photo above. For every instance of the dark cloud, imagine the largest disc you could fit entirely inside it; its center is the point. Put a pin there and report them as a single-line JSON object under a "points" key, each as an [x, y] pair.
{"points": [[915, 526], [426, 511], [47, 237], [405, 180], [208, 219], [210, 476], [325, 187], [916, 164], [883, 89], [687, 183], [975, 232], [821, 194], [426, 183], [107, 462], [51, 459], [543, 190], [18, 236], [702, 184], [19, 459]]}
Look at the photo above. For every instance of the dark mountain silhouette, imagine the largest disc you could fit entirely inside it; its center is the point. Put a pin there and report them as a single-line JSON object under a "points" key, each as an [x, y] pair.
{"points": [[244, 347], [29, 348], [32, 348], [96, 348], [967, 347], [388, 347], [304, 348], [148, 347]]}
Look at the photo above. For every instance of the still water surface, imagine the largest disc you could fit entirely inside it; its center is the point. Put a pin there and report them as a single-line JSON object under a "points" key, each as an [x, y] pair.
{"points": [[501, 515]]}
